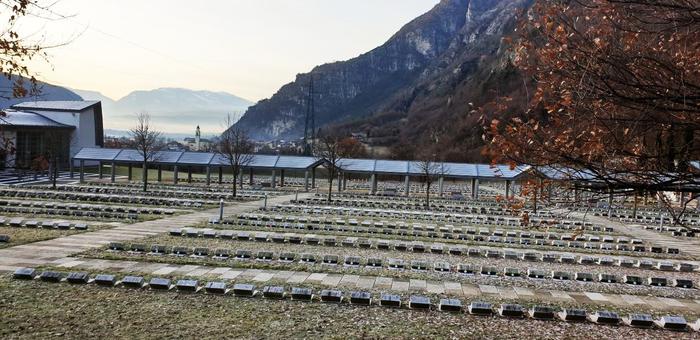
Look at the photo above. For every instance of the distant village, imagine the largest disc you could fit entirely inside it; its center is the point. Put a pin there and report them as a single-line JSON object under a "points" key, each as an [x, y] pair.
{"points": [[197, 143]]}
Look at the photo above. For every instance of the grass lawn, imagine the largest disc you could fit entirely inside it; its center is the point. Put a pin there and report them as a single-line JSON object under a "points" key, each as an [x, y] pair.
{"points": [[40, 310], [20, 236]]}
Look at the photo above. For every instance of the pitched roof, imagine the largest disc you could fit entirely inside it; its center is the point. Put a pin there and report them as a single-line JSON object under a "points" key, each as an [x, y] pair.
{"points": [[29, 119], [62, 105]]}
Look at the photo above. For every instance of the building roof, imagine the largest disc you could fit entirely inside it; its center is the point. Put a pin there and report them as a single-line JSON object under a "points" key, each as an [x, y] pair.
{"points": [[57, 105], [30, 119], [365, 166]]}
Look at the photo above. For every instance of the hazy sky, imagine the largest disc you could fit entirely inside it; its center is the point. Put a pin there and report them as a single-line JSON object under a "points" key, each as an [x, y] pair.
{"points": [[246, 47]]}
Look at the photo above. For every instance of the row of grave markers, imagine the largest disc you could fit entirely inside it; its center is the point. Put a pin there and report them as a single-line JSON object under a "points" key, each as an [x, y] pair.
{"points": [[415, 302], [396, 264]]}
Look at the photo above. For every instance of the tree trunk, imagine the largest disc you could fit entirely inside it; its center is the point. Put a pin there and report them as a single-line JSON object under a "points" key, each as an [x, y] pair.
{"points": [[534, 201], [145, 175], [54, 172], [427, 195], [235, 180], [330, 186]]}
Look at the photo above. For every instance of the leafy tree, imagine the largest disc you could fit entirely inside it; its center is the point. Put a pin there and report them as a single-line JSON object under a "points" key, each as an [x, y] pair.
{"points": [[613, 95]]}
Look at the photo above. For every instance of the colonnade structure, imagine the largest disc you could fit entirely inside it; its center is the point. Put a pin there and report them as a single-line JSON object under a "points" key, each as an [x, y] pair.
{"points": [[179, 161]]}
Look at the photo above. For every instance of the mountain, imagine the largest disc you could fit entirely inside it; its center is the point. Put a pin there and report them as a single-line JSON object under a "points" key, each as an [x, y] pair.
{"points": [[47, 92], [175, 99], [171, 109], [414, 87]]}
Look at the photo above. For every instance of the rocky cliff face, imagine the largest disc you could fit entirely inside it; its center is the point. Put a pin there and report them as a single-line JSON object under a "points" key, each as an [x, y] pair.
{"points": [[390, 86]]}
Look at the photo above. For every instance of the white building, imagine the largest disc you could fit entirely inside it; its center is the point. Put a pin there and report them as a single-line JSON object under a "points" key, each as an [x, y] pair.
{"points": [[35, 128]]}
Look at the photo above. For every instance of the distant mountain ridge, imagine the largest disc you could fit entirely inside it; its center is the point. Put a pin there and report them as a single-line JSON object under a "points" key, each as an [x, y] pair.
{"points": [[47, 92], [190, 108]]}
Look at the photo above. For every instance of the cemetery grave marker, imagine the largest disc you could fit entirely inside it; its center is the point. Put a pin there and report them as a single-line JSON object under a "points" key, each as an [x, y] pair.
{"points": [[24, 274], [105, 280], [243, 290], [78, 278]]}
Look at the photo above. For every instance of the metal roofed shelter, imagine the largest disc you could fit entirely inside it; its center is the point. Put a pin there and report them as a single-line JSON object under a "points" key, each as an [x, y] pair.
{"points": [[209, 160], [473, 172], [275, 164]]}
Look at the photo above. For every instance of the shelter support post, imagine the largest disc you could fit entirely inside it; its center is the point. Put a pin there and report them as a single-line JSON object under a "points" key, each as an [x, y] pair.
{"points": [[70, 165], [99, 170], [113, 174], [82, 171], [240, 178], [160, 173], [407, 184], [508, 189], [175, 174], [129, 172], [208, 175], [340, 182], [273, 181], [251, 177], [221, 175], [189, 174], [313, 178], [441, 185], [282, 178], [373, 189], [345, 182], [306, 180]]}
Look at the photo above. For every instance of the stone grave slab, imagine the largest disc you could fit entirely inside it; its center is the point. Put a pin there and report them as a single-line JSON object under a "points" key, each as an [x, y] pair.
{"points": [[189, 286], [243, 290], [573, 315], [639, 320], [480, 308], [302, 294], [389, 300], [511, 310], [78, 278], [274, 292], [215, 287], [106, 280], [542, 312], [450, 305], [131, 281], [51, 276], [360, 298], [158, 283], [606, 317], [676, 323], [24, 274]]}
